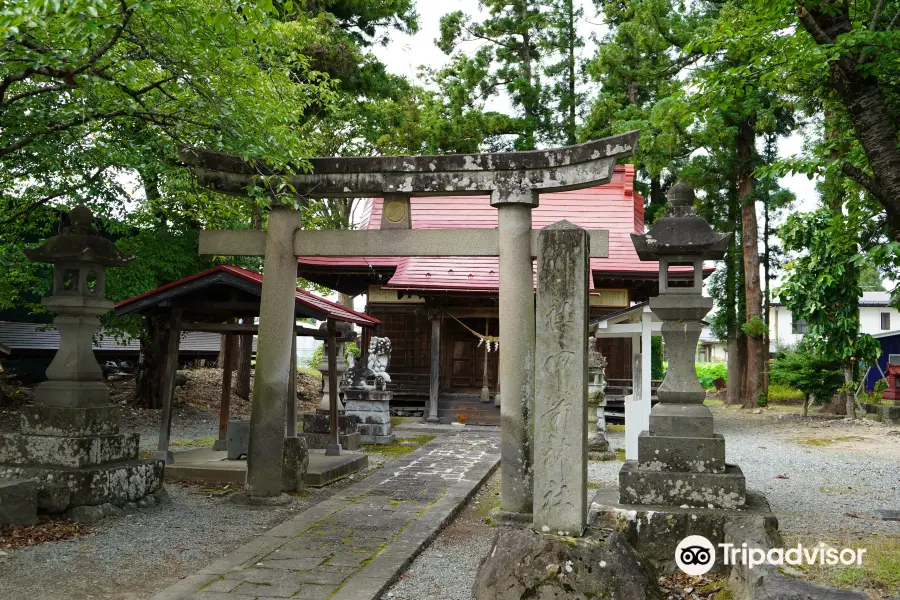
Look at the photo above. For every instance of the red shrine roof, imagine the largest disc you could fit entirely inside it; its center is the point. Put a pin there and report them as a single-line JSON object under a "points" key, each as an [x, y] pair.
{"points": [[614, 206], [316, 306]]}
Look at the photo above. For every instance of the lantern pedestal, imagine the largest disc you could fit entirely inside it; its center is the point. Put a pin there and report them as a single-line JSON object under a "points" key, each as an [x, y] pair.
{"points": [[69, 443]]}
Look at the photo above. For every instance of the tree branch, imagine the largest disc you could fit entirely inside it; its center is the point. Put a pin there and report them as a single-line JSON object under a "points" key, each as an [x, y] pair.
{"points": [[876, 16], [37, 91], [864, 180], [893, 21], [52, 196], [812, 26]]}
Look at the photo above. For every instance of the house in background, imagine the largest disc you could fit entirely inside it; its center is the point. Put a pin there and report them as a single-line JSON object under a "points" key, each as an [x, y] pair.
{"points": [[456, 298], [875, 317]]}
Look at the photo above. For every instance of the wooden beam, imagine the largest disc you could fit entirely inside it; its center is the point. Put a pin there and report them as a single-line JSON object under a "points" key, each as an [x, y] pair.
{"points": [[397, 242], [248, 328], [434, 389], [225, 398], [168, 379], [334, 448]]}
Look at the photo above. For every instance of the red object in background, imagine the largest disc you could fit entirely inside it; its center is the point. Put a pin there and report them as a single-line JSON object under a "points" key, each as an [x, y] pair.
{"points": [[893, 377]]}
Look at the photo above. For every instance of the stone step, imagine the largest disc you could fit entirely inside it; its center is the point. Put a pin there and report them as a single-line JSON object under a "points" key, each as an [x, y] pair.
{"points": [[671, 488], [75, 452], [18, 502], [114, 483]]}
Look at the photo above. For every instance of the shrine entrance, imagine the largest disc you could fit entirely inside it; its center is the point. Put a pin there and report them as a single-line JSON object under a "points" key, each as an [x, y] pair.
{"points": [[465, 372]]}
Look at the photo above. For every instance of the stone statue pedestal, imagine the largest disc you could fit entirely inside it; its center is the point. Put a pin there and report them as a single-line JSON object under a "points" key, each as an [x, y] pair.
{"points": [[373, 409]]}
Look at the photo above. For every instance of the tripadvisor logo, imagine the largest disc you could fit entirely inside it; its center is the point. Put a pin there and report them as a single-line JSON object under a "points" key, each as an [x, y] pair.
{"points": [[696, 555]]}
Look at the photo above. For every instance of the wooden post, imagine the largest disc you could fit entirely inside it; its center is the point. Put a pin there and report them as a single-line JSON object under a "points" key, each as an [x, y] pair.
{"points": [[225, 399], [291, 417], [168, 377], [334, 448], [434, 381], [485, 384]]}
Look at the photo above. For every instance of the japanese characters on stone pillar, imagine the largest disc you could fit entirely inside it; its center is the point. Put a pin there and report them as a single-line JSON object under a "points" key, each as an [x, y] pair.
{"points": [[560, 407], [70, 442], [680, 460]]}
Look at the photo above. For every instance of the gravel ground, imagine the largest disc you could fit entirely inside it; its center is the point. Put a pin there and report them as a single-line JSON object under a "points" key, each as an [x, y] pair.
{"points": [[856, 471], [446, 569], [137, 555], [850, 467]]}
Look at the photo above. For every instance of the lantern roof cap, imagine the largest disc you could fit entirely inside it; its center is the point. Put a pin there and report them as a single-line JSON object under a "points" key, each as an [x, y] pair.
{"points": [[80, 242], [681, 232]]}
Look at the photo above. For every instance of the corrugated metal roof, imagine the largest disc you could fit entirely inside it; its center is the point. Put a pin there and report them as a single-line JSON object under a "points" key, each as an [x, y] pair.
{"points": [[614, 206], [40, 336], [331, 309]]}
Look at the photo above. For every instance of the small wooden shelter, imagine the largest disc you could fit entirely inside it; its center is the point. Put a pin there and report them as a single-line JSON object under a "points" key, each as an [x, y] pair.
{"points": [[215, 301]]}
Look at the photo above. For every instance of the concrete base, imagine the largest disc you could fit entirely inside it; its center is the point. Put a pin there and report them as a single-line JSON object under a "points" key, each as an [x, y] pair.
{"points": [[115, 483], [889, 413], [320, 441], [378, 440], [220, 445], [671, 453], [505, 516], [238, 442], [207, 465], [166, 456], [62, 421], [677, 488], [655, 530], [73, 452]]}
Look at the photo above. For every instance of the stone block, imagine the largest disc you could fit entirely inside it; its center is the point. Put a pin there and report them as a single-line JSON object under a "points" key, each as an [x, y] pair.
{"points": [[682, 420], [320, 441], [115, 483], [709, 490], [86, 514], [561, 388], [669, 453], [372, 430], [321, 423], [53, 498], [872, 417], [74, 452], [295, 464], [72, 394], [18, 502], [70, 422], [238, 439], [890, 415]]}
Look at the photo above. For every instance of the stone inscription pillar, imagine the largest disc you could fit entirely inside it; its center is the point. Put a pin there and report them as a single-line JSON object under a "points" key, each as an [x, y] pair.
{"points": [[516, 348], [560, 412], [276, 330]]}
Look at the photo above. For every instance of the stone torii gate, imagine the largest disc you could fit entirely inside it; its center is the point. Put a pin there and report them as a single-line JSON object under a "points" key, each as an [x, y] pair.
{"points": [[513, 181]]}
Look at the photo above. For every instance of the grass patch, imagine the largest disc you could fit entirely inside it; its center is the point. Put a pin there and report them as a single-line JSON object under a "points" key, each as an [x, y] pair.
{"points": [[880, 569], [783, 393], [593, 485], [145, 454], [620, 453], [395, 449], [417, 439], [615, 428], [396, 421], [829, 441], [193, 443], [315, 373]]}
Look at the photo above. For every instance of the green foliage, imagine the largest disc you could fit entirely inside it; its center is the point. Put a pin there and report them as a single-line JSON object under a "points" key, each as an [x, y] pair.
{"points": [[805, 369], [783, 393], [315, 360], [755, 327], [822, 284], [708, 372], [657, 366]]}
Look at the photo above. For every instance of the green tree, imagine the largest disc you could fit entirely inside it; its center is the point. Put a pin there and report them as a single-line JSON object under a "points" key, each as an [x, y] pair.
{"points": [[821, 287], [807, 370]]}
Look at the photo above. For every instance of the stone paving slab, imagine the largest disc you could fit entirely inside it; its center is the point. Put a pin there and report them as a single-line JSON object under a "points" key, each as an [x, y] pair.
{"points": [[355, 544]]}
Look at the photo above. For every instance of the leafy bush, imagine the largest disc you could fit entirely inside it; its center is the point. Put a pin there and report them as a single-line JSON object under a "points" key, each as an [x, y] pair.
{"points": [[808, 371], [783, 393], [710, 371]]}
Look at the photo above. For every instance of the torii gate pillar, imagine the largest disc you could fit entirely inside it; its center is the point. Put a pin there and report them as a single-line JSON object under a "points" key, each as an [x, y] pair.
{"points": [[516, 348]]}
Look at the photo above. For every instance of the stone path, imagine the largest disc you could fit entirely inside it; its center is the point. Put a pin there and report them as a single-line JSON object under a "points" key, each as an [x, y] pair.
{"points": [[353, 545]]}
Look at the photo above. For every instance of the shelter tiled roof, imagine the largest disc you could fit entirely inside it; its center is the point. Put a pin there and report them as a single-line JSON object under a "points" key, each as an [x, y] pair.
{"points": [[318, 304], [614, 206]]}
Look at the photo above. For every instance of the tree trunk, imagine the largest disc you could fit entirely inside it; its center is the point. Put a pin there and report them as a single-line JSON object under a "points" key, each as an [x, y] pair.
{"points": [[806, 405], [148, 379], [861, 95], [245, 357], [849, 399], [750, 245], [571, 123]]}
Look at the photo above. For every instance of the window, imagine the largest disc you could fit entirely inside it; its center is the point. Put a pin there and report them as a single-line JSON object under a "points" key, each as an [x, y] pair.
{"points": [[885, 321], [798, 326]]}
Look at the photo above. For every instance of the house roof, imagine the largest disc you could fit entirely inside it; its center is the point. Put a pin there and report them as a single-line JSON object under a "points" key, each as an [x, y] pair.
{"points": [[41, 336], [308, 304], [614, 206]]}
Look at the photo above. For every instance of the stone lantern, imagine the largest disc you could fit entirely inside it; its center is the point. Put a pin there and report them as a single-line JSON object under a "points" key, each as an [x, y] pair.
{"points": [[680, 460], [69, 444]]}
